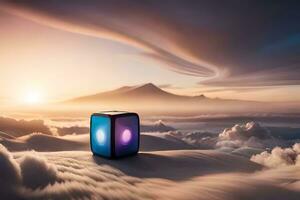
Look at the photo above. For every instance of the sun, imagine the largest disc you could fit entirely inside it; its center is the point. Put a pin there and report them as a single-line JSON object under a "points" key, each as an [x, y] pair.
{"points": [[32, 97]]}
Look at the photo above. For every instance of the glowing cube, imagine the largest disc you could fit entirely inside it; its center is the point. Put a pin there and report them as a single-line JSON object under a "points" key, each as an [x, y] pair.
{"points": [[114, 134]]}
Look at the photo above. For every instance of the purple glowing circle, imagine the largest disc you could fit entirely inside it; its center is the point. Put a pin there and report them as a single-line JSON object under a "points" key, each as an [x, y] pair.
{"points": [[126, 136]]}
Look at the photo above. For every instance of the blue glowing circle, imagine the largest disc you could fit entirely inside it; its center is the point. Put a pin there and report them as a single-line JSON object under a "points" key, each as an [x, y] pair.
{"points": [[100, 136]]}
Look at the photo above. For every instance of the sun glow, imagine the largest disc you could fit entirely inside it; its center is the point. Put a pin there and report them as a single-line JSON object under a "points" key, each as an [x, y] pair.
{"points": [[32, 97]]}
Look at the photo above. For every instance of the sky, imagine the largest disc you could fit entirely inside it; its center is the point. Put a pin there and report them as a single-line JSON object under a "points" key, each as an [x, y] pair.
{"points": [[55, 50]]}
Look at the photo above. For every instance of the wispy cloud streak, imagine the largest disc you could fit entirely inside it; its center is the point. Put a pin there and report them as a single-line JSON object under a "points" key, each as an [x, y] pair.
{"points": [[224, 44]]}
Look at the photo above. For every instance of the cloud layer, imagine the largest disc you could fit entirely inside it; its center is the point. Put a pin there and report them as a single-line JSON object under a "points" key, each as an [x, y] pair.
{"points": [[69, 175], [243, 139], [177, 174], [18, 128], [228, 43]]}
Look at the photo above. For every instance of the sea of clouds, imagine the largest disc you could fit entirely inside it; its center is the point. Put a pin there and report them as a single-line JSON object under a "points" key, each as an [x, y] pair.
{"points": [[243, 161], [71, 175]]}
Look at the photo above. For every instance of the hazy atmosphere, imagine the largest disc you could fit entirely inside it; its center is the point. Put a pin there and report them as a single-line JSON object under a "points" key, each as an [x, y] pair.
{"points": [[215, 83]]}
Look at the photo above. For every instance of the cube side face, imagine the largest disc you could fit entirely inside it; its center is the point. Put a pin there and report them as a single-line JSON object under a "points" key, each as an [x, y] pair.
{"points": [[127, 134], [100, 135]]}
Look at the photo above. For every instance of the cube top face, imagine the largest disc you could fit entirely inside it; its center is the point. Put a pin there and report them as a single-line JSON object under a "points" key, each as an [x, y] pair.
{"points": [[114, 134], [112, 112]]}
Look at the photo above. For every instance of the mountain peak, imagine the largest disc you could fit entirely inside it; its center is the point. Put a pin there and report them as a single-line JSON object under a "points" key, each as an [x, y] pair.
{"points": [[201, 96], [149, 85], [147, 88]]}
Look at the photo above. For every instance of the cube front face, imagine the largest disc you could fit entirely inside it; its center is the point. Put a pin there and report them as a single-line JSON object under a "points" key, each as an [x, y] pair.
{"points": [[114, 135], [100, 136]]}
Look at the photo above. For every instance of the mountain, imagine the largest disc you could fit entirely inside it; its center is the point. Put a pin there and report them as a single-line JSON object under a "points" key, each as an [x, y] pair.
{"points": [[147, 92], [151, 99]]}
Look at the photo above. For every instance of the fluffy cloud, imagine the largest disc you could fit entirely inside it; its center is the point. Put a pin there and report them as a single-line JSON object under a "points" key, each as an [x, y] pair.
{"points": [[244, 132], [10, 174], [27, 172], [250, 134], [279, 157], [36, 172], [10, 170]]}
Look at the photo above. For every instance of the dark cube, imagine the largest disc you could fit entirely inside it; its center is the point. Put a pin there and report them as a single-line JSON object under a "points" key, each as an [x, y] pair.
{"points": [[114, 134]]}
